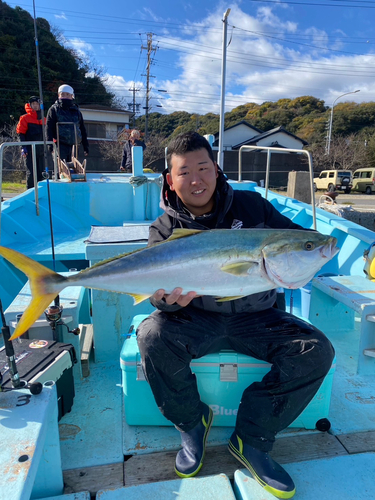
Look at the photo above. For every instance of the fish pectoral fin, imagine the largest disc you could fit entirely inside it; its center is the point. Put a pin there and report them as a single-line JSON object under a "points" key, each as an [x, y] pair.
{"points": [[239, 268], [138, 298], [183, 233], [227, 299]]}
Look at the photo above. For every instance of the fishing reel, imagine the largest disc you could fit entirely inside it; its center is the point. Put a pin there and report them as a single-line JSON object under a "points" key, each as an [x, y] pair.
{"points": [[53, 315]]}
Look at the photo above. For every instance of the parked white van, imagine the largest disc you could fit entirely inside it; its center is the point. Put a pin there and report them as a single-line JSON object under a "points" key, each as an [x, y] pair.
{"points": [[364, 180], [330, 180]]}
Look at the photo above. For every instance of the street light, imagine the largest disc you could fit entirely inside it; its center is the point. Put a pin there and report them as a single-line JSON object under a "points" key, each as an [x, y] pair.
{"points": [[220, 154], [328, 144]]}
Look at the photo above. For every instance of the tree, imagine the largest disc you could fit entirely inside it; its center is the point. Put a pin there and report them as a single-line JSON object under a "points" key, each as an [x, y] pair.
{"points": [[18, 66], [14, 169], [346, 153], [112, 150]]}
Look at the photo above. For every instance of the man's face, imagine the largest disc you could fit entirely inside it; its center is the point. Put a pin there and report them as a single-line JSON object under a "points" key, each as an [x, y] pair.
{"points": [[65, 95], [35, 105], [193, 177]]}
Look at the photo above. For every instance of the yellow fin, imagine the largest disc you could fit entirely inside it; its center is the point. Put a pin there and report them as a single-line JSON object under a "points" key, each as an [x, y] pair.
{"points": [[183, 233], [32, 313], [238, 268], [28, 266], [227, 299], [138, 298], [41, 296]]}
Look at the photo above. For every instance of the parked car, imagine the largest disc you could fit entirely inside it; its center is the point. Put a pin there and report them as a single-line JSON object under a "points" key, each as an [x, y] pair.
{"points": [[331, 180], [364, 180]]}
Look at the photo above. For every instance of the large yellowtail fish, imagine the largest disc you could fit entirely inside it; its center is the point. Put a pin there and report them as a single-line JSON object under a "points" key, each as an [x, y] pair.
{"points": [[227, 264]]}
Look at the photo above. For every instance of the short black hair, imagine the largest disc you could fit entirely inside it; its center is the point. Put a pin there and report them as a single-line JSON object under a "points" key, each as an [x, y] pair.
{"points": [[185, 143]]}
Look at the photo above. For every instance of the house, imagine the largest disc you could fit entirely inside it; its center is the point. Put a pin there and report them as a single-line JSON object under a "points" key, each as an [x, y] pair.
{"points": [[236, 134], [254, 164], [277, 137], [244, 134], [104, 123]]}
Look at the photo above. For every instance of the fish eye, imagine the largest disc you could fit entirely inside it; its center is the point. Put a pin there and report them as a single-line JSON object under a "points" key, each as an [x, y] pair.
{"points": [[309, 245]]}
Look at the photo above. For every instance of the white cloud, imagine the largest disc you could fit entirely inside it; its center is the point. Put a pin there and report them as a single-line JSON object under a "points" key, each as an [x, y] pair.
{"points": [[261, 63], [80, 46], [61, 16]]}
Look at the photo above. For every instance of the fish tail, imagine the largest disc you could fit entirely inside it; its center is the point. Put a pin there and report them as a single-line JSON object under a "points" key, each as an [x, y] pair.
{"points": [[45, 285]]}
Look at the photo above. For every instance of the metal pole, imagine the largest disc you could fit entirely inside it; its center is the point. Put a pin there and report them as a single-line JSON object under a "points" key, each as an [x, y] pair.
{"points": [[328, 147], [288, 150], [220, 155], [40, 93]]}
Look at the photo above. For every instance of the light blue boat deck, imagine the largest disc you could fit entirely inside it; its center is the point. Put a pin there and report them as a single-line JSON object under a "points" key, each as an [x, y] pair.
{"points": [[95, 432]]}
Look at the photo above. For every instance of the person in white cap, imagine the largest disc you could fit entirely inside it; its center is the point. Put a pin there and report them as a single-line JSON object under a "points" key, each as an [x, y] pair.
{"points": [[66, 110]]}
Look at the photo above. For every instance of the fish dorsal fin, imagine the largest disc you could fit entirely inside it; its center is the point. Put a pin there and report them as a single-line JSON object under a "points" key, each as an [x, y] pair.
{"points": [[227, 299], [183, 233], [238, 268]]}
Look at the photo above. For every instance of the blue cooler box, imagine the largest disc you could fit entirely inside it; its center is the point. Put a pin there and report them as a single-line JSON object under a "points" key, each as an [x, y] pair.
{"points": [[222, 377]]}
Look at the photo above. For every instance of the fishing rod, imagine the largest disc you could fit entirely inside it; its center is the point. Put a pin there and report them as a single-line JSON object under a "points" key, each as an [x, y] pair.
{"points": [[9, 351], [57, 299]]}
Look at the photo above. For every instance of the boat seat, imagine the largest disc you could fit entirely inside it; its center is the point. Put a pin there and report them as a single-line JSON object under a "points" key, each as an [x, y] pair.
{"points": [[31, 460], [344, 308]]}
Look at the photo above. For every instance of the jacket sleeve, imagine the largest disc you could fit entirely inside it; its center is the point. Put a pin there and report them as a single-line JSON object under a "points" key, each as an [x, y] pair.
{"points": [[85, 142], [22, 126], [51, 124]]}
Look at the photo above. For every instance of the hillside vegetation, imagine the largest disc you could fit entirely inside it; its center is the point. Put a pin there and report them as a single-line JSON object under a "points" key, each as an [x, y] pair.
{"points": [[18, 67]]}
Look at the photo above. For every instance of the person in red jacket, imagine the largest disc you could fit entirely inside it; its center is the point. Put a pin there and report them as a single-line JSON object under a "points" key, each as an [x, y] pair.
{"points": [[30, 128]]}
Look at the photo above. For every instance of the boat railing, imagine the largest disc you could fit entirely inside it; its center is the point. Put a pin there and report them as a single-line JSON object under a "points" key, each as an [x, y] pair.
{"points": [[33, 144], [284, 150]]}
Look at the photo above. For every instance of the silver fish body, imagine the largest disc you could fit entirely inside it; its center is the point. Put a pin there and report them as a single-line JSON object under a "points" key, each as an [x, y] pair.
{"points": [[221, 263]]}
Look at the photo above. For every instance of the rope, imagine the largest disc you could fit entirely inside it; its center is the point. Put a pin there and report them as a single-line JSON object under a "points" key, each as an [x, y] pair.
{"points": [[329, 205], [137, 181]]}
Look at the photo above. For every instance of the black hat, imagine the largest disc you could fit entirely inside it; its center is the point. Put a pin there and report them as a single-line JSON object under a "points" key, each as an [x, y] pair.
{"points": [[34, 99]]}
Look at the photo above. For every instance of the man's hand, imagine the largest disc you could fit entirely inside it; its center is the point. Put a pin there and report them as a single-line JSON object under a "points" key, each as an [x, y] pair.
{"points": [[175, 297], [86, 153]]}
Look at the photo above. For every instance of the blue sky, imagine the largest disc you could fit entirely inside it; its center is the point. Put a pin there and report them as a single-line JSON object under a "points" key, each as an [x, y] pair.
{"points": [[277, 49]]}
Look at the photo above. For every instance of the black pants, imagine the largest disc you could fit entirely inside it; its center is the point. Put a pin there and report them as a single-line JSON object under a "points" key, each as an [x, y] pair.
{"points": [[39, 167], [301, 356], [66, 152]]}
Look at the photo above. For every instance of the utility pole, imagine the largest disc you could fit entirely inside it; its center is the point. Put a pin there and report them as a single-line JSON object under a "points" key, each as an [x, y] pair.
{"points": [[133, 105], [149, 49]]}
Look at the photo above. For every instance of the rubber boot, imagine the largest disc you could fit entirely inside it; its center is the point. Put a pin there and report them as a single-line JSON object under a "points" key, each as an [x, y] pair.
{"points": [[189, 459], [263, 468]]}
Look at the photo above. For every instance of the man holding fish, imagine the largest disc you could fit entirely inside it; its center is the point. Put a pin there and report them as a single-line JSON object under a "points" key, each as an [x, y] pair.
{"points": [[214, 260], [189, 324]]}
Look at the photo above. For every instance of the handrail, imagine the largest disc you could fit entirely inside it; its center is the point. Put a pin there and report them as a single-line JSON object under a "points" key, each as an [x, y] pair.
{"points": [[287, 150], [18, 144]]}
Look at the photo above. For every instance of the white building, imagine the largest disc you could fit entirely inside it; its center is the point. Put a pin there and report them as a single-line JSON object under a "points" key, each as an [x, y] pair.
{"points": [[244, 134], [104, 123]]}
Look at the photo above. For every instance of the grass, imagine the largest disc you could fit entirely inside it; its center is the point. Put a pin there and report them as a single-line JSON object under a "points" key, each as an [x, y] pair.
{"points": [[13, 187]]}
